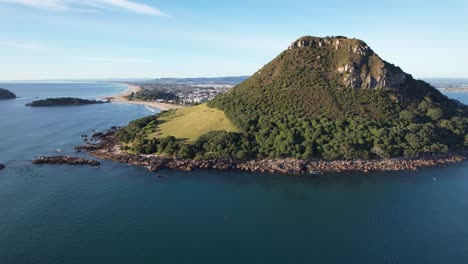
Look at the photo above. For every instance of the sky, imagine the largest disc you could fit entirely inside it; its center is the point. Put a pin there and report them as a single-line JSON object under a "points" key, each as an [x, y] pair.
{"points": [[83, 39]]}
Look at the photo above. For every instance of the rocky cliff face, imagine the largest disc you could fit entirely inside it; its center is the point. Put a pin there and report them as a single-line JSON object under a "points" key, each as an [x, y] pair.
{"points": [[354, 62]]}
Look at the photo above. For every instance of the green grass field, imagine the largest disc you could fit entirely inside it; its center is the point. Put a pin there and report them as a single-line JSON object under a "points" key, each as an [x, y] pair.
{"points": [[192, 122]]}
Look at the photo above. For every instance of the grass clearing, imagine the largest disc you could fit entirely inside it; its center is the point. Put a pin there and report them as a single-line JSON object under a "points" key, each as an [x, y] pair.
{"points": [[192, 122]]}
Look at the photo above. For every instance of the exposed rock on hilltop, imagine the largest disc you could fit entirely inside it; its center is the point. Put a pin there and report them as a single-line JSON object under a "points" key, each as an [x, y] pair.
{"points": [[353, 64], [357, 64], [5, 94]]}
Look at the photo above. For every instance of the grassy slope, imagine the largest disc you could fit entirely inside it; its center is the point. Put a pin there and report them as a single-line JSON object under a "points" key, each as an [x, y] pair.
{"points": [[192, 122]]}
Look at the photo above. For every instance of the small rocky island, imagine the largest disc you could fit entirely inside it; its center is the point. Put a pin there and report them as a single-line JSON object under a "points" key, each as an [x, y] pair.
{"points": [[64, 101], [67, 160], [5, 94]]}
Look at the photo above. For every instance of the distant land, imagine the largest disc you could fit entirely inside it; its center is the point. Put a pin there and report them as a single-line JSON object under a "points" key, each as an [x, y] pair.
{"points": [[194, 80], [5, 94], [330, 99], [449, 84], [436, 82], [443, 82]]}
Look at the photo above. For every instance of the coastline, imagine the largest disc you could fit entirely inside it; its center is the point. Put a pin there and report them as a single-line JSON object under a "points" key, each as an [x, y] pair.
{"points": [[454, 90], [122, 98], [108, 148]]}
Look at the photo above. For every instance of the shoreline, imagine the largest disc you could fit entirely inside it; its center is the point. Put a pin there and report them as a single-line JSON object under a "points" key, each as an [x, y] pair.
{"points": [[108, 148], [454, 89], [122, 98]]}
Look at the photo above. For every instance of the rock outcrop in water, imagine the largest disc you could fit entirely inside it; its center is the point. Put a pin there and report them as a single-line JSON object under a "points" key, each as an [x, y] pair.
{"points": [[64, 102], [2, 166], [5, 94], [65, 160]]}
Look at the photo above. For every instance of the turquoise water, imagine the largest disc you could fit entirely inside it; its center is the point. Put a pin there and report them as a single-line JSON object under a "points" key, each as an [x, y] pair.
{"points": [[125, 214]]}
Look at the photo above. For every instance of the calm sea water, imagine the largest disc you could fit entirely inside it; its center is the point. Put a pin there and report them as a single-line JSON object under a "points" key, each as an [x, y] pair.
{"points": [[124, 214]]}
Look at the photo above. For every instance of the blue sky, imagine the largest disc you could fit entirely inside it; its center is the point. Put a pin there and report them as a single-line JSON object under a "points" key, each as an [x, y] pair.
{"points": [[61, 39]]}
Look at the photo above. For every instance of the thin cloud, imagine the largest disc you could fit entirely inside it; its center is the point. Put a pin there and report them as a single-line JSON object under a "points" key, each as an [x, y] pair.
{"points": [[26, 46], [134, 7], [89, 6]]}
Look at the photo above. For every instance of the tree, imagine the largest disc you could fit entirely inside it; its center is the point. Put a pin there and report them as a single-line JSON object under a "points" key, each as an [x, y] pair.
{"points": [[407, 115], [435, 113], [186, 151]]}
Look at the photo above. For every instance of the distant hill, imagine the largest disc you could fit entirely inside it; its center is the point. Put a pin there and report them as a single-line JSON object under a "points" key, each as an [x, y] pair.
{"points": [[5, 94], [198, 80], [328, 98], [204, 80], [448, 82]]}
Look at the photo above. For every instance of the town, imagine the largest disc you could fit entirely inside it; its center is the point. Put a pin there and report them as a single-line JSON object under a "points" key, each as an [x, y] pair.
{"points": [[183, 91]]}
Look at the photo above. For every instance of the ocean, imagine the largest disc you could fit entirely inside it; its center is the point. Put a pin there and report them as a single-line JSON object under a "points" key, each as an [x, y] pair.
{"points": [[125, 214]]}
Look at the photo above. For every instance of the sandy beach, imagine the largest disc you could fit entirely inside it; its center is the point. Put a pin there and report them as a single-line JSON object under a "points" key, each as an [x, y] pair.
{"points": [[122, 98]]}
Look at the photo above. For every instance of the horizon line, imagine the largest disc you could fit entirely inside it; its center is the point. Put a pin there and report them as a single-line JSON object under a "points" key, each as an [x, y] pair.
{"points": [[155, 78]]}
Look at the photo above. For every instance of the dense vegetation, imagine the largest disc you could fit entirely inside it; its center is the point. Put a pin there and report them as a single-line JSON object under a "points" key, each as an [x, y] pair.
{"points": [[314, 138], [65, 101], [152, 95], [5, 94], [425, 129], [299, 106]]}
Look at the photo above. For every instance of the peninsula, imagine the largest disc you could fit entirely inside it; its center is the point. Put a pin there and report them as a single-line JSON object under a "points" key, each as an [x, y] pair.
{"points": [[321, 102], [133, 89]]}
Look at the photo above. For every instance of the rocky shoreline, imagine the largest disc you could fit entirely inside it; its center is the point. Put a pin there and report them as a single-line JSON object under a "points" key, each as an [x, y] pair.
{"points": [[65, 160], [108, 148]]}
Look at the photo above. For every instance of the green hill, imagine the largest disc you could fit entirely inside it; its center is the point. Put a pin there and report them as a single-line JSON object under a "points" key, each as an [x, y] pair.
{"points": [[330, 98]]}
